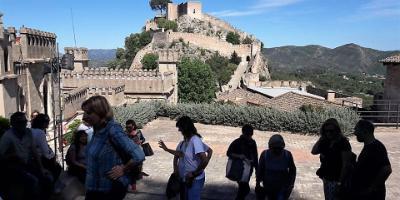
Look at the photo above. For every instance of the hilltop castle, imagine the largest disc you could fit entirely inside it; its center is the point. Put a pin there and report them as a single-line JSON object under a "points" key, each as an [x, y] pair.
{"points": [[133, 85]]}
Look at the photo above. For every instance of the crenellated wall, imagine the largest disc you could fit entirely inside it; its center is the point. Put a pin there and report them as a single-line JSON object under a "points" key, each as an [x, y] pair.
{"points": [[37, 44], [73, 100], [136, 83], [81, 57]]}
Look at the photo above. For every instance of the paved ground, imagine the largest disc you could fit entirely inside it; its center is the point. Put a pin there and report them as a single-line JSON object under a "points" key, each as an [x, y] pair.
{"points": [[308, 185]]}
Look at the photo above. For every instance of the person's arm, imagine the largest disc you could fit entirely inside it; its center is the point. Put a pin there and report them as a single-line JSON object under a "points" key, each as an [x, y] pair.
{"points": [[203, 164], [292, 170], [292, 175], [175, 164], [209, 154], [44, 147], [381, 177], [317, 147], [260, 169], [346, 165], [142, 139], [121, 140], [255, 161], [36, 156], [233, 151], [171, 151]]}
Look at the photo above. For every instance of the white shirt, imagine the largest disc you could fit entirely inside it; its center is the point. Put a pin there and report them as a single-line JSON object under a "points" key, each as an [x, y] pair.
{"points": [[87, 129], [43, 148], [190, 162]]}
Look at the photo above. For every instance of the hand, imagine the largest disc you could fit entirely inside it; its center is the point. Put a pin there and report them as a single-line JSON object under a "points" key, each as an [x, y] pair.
{"points": [[116, 172], [162, 145]]}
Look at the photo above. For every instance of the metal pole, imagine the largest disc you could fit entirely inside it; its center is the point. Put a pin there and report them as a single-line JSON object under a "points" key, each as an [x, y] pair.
{"points": [[398, 116], [60, 107]]}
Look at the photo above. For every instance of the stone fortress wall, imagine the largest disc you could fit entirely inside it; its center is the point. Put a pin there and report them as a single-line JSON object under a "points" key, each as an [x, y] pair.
{"points": [[25, 82], [81, 57]]}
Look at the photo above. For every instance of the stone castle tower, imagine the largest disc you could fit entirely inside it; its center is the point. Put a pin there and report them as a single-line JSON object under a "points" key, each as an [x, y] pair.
{"points": [[81, 57], [190, 8]]}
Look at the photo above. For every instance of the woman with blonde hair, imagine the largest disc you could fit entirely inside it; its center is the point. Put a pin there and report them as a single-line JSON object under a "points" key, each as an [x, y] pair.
{"points": [[110, 154]]}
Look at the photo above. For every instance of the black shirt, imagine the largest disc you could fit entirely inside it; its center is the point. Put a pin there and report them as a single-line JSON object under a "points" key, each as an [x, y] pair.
{"points": [[331, 158], [246, 147], [372, 159]]}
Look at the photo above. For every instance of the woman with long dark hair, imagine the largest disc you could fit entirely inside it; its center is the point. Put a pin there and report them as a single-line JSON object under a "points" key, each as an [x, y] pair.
{"points": [[76, 156], [334, 150], [110, 155], [191, 157]]}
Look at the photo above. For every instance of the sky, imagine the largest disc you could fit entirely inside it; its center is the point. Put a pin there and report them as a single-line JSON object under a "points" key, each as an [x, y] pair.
{"points": [[104, 24]]}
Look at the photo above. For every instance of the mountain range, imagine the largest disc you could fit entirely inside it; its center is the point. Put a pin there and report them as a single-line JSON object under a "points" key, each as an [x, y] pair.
{"points": [[349, 58]]}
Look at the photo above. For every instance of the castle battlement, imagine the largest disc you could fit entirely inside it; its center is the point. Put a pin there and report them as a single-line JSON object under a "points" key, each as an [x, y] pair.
{"points": [[116, 74], [35, 32]]}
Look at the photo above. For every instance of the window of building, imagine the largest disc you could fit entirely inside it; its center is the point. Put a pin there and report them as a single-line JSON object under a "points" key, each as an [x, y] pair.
{"points": [[194, 11]]}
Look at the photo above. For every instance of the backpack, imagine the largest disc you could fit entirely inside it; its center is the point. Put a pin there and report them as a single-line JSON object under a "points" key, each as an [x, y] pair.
{"points": [[275, 177]]}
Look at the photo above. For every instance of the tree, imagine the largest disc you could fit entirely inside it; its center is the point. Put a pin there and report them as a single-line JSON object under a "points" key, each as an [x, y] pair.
{"points": [[120, 53], [150, 61], [196, 81], [160, 5], [134, 43], [222, 68], [235, 59], [233, 38]]}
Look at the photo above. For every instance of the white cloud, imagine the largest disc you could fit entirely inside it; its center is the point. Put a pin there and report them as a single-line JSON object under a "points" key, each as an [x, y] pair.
{"points": [[260, 7], [378, 8]]}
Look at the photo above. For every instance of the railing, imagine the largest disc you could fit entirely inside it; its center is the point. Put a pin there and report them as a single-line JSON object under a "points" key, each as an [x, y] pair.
{"points": [[382, 113]]}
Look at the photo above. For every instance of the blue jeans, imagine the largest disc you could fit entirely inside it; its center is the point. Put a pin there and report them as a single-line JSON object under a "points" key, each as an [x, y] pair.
{"points": [[193, 192]]}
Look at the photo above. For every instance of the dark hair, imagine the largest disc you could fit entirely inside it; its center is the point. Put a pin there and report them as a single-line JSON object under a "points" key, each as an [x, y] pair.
{"points": [[18, 119], [247, 130], [98, 105], [34, 111], [335, 124], [40, 121], [187, 126], [131, 121], [366, 126], [76, 138]]}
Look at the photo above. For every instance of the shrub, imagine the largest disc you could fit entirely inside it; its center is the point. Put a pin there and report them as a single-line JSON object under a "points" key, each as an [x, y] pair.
{"points": [[167, 24], [142, 112], [262, 78], [233, 38], [262, 118], [69, 135], [150, 61], [4, 125]]}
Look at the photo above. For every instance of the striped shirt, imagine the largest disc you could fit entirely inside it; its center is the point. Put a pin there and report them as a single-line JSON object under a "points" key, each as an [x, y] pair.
{"points": [[102, 157]]}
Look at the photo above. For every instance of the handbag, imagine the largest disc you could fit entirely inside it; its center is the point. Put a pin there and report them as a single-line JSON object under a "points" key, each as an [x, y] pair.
{"points": [[148, 151], [173, 186], [234, 169]]}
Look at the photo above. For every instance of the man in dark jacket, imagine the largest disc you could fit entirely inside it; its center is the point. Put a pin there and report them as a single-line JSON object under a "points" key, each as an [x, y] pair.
{"points": [[245, 149]]}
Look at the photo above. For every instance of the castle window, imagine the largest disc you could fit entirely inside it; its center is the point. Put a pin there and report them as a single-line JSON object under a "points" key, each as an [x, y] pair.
{"points": [[194, 11]]}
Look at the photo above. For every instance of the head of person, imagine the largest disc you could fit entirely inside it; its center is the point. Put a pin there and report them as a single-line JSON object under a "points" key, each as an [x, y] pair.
{"points": [[130, 126], [186, 126], [364, 130], [41, 121], [276, 144], [34, 114], [247, 131], [80, 137], [18, 121], [97, 111], [331, 129]]}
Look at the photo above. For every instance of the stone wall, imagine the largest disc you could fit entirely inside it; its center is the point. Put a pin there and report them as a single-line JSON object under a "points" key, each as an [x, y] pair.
{"points": [[114, 95], [37, 44], [210, 43], [138, 83], [392, 82], [191, 8], [81, 57], [73, 100], [137, 61]]}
